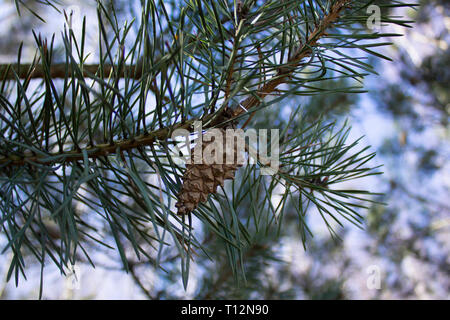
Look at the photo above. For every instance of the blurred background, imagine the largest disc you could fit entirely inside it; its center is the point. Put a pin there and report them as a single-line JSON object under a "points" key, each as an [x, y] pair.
{"points": [[404, 250]]}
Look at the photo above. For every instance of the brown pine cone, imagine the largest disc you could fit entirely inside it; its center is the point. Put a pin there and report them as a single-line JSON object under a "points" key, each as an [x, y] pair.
{"points": [[200, 180]]}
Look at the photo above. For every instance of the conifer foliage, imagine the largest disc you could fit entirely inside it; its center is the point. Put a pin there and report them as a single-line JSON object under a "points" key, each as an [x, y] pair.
{"points": [[86, 149]]}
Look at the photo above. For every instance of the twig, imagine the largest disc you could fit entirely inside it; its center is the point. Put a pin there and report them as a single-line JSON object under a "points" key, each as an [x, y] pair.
{"points": [[60, 70], [305, 50], [140, 284]]}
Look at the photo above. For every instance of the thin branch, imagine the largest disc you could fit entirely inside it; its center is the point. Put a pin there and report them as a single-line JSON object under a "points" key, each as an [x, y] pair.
{"points": [[139, 283], [304, 51], [98, 150], [61, 71]]}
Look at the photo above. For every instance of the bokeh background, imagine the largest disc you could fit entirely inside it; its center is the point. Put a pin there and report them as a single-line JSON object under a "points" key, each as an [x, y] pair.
{"points": [[404, 250]]}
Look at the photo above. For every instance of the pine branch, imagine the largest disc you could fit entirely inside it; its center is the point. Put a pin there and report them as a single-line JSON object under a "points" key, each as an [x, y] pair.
{"points": [[134, 72], [304, 51], [188, 67], [97, 150]]}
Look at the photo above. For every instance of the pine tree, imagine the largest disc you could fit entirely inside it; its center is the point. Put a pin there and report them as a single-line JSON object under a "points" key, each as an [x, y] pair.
{"points": [[87, 153]]}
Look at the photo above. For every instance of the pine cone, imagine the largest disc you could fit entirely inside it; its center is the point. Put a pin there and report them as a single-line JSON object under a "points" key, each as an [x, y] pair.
{"points": [[200, 180]]}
